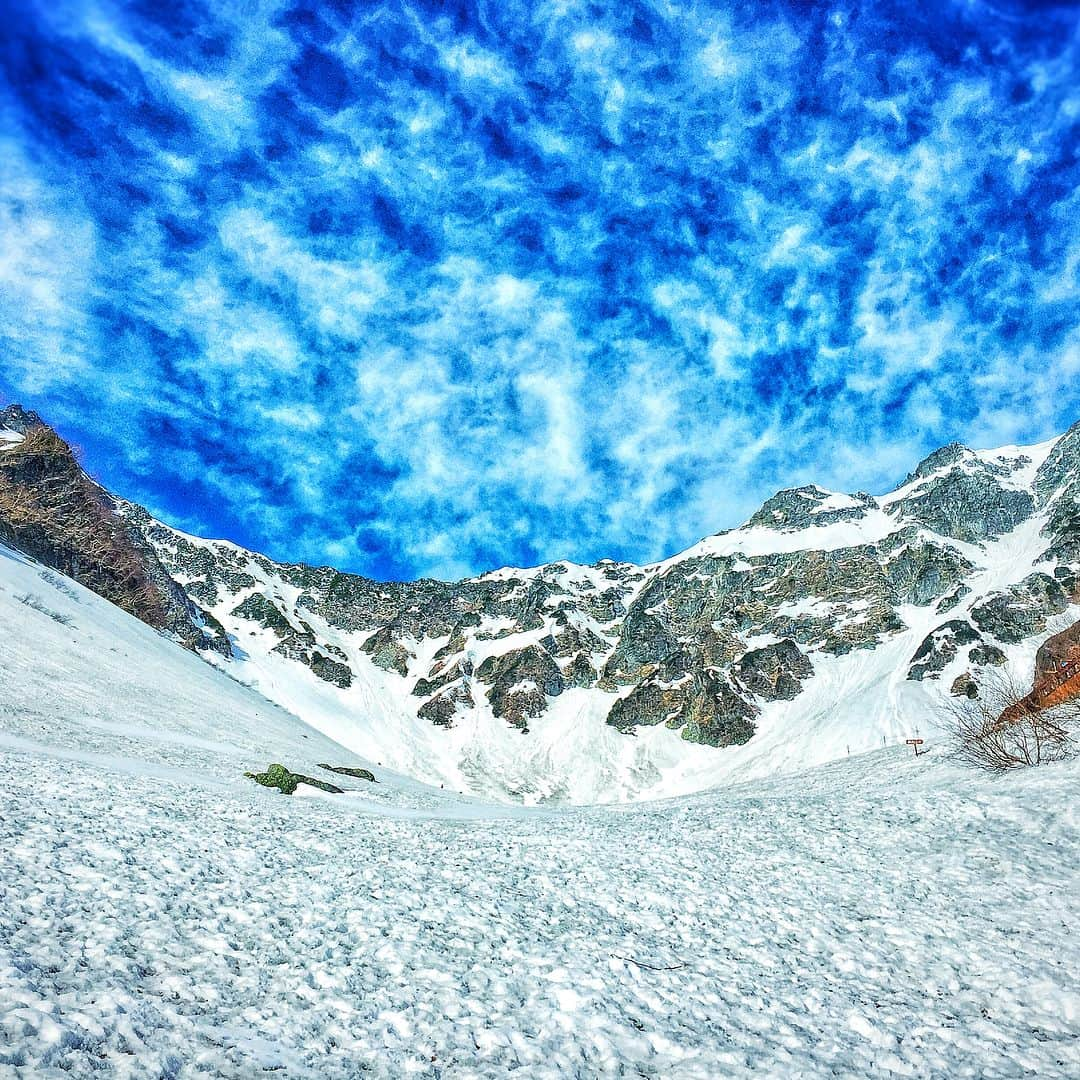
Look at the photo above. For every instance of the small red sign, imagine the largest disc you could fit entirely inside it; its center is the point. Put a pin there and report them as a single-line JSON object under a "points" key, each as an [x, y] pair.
{"points": [[916, 743]]}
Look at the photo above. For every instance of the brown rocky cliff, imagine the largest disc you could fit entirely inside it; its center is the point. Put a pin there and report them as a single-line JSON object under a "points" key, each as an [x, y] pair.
{"points": [[51, 510]]}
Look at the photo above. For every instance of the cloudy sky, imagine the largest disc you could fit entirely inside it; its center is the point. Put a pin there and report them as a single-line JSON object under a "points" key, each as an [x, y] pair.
{"points": [[426, 288]]}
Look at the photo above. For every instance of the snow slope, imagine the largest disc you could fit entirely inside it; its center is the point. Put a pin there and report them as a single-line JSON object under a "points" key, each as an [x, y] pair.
{"points": [[91, 683], [160, 916]]}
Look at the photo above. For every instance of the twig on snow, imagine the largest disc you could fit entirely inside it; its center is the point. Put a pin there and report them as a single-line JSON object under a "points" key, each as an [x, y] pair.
{"points": [[650, 967]]}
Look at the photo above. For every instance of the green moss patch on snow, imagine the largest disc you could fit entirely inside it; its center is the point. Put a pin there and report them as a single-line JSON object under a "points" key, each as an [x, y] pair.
{"points": [[347, 770], [277, 776]]}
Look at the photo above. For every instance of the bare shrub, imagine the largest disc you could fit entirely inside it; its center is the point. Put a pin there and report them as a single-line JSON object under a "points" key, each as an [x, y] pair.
{"points": [[1001, 728], [59, 584]]}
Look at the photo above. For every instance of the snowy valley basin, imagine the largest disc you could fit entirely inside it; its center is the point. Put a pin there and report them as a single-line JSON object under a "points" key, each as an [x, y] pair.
{"points": [[489, 587], [884, 915], [624, 821]]}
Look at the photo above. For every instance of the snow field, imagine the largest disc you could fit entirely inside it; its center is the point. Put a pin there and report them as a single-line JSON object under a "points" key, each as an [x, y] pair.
{"points": [[886, 917]]}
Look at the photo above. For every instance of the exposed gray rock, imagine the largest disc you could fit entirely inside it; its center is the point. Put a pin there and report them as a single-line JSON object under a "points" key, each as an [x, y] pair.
{"points": [[968, 503], [572, 639], [947, 603], [15, 418], [442, 674], [919, 571], [801, 508], [1062, 528], [703, 706], [387, 653], [331, 671], [260, 609], [774, 672], [645, 639], [1061, 467], [184, 616], [950, 454], [217, 637], [722, 719], [668, 643], [521, 681], [301, 645], [964, 686], [940, 647], [447, 705], [1023, 610], [580, 673], [986, 655]]}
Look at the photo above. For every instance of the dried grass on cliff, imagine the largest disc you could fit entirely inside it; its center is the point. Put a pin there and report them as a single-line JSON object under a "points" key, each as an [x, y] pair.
{"points": [[53, 511]]}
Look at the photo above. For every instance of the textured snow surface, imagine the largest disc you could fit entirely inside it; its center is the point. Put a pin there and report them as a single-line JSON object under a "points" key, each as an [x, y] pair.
{"points": [[160, 916], [880, 916]]}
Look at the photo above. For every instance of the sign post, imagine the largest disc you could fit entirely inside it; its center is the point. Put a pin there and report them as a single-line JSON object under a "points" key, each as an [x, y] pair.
{"points": [[916, 743]]}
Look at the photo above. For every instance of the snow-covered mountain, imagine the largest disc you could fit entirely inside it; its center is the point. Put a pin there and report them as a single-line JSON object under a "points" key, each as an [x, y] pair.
{"points": [[827, 624], [161, 916]]}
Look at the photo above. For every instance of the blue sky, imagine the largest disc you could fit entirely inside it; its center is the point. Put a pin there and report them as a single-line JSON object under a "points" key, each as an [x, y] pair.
{"points": [[424, 288]]}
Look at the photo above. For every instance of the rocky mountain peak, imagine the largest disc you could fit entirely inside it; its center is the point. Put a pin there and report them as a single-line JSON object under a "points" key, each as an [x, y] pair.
{"points": [[15, 418], [950, 454], [962, 495], [53, 511], [1061, 467], [808, 507]]}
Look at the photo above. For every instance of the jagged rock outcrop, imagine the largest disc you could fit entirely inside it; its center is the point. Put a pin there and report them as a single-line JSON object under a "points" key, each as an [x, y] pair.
{"points": [[521, 681], [580, 673], [260, 609], [442, 674], [704, 707], [920, 571], [809, 507], [1023, 610], [987, 655], [297, 641], [969, 505], [387, 653], [443, 708], [328, 669], [940, 647], [774, 672], [964, 685]]}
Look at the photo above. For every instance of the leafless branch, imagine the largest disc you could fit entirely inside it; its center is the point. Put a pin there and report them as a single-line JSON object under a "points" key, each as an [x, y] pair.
{"points": [[1001, 729]]}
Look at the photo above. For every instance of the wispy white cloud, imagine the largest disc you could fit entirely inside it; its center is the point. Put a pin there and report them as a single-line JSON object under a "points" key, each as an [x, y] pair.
{"points": [[427, 292]]}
